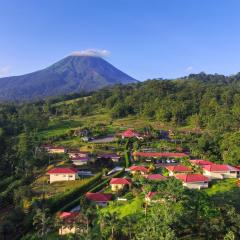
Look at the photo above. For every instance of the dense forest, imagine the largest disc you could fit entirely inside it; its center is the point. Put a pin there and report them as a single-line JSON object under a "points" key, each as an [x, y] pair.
{"points": [[208, 105]]}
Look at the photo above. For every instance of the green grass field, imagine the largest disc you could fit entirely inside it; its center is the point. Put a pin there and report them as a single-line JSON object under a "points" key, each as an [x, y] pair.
{"points": [[124, 209]]}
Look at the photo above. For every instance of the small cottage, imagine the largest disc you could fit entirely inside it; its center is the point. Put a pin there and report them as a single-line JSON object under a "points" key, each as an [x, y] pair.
{"points": [[54, 150], [193, 181], [155, 177], [130, 133], [80, 161], [62, 174], [68, 219], [220, 171], [101, 199], [113, 156], [178, 169], [138, 169], [118, 184]]}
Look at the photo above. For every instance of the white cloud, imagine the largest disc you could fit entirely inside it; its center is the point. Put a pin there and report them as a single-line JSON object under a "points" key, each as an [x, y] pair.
{"points": [[92, 52], [189, 69], [4, 71]]}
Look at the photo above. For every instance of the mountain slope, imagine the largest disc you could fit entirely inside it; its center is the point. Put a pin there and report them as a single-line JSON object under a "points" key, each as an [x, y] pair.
{"points": [[69, 75]]}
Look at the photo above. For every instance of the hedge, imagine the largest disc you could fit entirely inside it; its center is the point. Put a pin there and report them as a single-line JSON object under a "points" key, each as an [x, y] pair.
{"points": [[59, 201], [7, 181], [6, 197], [96, 188], [127, 159]]}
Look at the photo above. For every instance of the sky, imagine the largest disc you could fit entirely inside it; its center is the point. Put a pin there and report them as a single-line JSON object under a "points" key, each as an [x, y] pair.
{"points": [[144, 38]]}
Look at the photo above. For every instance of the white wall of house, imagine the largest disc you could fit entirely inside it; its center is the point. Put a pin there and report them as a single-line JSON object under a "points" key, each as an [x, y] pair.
{"points": [[56, 150], [66, 230], [79, 163], [220, 175], [117, 187], [196, 185], [59, 177]]}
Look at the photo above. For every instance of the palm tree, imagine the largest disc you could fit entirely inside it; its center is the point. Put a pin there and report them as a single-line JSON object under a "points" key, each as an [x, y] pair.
{"points": [[42, 222]]}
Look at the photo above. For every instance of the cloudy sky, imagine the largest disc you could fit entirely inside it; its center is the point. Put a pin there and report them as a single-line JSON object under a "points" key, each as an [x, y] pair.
{"points": [[146, 39]]}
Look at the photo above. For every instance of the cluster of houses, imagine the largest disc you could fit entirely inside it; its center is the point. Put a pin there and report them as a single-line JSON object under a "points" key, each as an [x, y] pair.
{"points": [[190, 178], [78, 158]]}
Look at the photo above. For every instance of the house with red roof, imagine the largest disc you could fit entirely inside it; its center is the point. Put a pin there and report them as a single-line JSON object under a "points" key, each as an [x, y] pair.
{"points": [[178, 169], [153, 197], [99, 198], [159, 155], [194, 180], [200, 162], [67, 219], [130, 133], [62, 174], [54, 149], [220, 171], [155, 177], [80, 161], [118, 184], [138, 169]]}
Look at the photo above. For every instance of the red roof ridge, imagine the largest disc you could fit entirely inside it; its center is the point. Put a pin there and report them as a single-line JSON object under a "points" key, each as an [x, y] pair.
{"points": [[138, 168], [194, 177], [121, 181], [178, 168], [62, 170], [98, 196], [160, 154]]}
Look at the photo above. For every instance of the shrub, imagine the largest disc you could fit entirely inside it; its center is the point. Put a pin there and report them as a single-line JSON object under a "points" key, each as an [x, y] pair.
{"points": [[59, 201]]}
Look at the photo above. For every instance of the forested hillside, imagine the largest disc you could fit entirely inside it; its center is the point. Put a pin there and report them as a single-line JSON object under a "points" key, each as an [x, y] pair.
{"points": [[206, 107]]}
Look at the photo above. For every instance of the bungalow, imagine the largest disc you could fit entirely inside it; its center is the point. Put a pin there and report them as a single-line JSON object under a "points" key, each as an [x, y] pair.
{"points": [[220, 171], [200, 162], [54, 150], [138, 169], [129, 133], [74, 154], [155, 177], [101, 199], [119, 183], [152, 197], [113, 156], [178, 169], [79, 161], [62, 174], [193, 181], [68, 219]]}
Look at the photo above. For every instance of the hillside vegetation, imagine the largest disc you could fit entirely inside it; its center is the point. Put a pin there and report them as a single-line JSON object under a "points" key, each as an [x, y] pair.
{"points": [[203, 112]]}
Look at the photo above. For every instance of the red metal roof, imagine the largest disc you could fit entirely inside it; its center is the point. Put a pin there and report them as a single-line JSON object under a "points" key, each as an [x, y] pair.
{"points": [[219, 168], [62, 170], [160, 154], [155, 177], [121, 181], [130, 133], [190, 178], [138, 168], [68, 215], [201, 162], [151, 194], [99, 197], [178, 168]]}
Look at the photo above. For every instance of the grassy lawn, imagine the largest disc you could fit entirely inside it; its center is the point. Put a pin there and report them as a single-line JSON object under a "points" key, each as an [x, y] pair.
{"points": [[55, 188], [125, 208], [225, 192], [221, 186]]}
